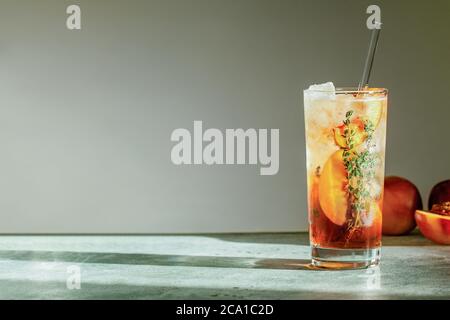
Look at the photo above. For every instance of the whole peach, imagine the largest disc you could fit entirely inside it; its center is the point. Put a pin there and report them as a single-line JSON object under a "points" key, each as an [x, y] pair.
{"points": [[400, 201]]}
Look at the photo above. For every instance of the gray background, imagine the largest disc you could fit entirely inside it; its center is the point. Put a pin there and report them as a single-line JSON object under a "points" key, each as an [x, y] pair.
{"points": [[86, 116]]}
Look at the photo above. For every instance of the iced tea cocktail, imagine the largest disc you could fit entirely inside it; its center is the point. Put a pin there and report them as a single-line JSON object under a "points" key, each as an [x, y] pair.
{"points": [[345, 148]]}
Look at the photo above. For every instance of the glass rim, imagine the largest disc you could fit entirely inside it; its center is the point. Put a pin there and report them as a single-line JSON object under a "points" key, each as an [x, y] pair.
{"points": [[352, 90]]}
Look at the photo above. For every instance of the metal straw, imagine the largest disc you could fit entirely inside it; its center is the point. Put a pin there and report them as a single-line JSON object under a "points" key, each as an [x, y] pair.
{"points": [[370, 57]]}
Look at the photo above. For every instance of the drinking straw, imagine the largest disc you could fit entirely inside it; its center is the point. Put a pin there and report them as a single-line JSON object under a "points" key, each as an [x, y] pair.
{"points": [[370, 57]]}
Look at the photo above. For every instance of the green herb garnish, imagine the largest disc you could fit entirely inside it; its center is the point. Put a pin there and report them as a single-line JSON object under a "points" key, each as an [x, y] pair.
{"points": [[360, 166]]}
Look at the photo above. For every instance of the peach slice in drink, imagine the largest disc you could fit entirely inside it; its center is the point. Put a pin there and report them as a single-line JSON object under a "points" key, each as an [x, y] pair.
{"points": [[356, 127], [333, 197], [372, 217], [369, 110]]}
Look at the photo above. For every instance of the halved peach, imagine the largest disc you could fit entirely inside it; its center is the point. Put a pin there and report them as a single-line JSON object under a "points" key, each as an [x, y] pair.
{"points": [[441, 208], [434, 226], [332, 193]]}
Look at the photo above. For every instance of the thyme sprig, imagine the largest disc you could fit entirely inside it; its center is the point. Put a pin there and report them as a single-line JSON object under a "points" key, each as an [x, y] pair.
{"points": [[360, 167]]}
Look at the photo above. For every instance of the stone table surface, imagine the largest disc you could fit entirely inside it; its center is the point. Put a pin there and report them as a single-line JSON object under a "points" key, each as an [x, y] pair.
{"points": [[230, 266]]}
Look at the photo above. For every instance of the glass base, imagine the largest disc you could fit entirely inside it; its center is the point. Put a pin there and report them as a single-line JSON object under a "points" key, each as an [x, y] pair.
{"points": [[330, 258]]}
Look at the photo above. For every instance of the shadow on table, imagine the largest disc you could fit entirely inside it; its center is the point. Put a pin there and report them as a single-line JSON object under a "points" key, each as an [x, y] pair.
{"points": [[157, 260]]}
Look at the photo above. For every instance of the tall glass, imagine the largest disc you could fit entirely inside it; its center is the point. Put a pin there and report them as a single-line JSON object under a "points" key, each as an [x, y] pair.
{"points": [[345, 149]]}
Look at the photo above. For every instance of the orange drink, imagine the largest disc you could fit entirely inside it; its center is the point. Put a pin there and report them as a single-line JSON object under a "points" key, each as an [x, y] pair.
{"points": [[345, 149]]}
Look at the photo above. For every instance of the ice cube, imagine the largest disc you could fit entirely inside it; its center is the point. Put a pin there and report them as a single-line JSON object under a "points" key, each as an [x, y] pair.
{"points": [[327, 86], [322, 91]]}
